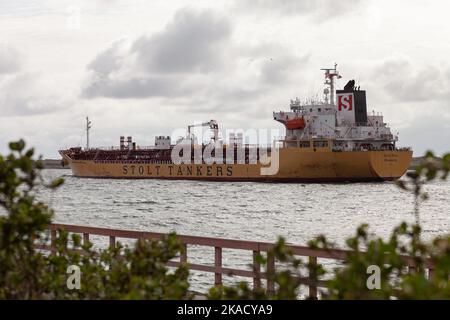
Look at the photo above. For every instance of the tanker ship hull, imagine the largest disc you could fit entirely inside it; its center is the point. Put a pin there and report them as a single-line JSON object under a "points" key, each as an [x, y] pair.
{"points": [[295, 165]]}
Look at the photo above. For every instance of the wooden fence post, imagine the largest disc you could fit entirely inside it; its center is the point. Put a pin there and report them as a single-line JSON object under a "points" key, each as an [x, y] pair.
{"points": [[53, 234], [218, 264], [183, 255], [85, 238], [112, 242], [270, 274], [256, 271], [313, 278]]}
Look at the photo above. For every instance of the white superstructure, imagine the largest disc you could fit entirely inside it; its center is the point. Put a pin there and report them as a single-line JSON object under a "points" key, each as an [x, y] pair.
{"points": [[342, 118]]}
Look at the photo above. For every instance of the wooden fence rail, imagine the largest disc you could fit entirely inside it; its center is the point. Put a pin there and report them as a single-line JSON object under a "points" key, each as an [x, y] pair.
{"points": [[255, 248]]}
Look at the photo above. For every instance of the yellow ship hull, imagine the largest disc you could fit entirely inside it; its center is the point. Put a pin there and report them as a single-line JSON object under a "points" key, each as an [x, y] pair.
{"points": [[295, 165]]}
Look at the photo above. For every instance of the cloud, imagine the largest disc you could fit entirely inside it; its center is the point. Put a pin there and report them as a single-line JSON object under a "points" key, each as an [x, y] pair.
{"points": [[158, 65], [414, 99], [18, 91], [143, 87], [194, 57], [10, 59], [109, 60], [26, 94], [22, 8], [401, 80], [192, 42], [284, 66], [318, 9], [428, 132]]}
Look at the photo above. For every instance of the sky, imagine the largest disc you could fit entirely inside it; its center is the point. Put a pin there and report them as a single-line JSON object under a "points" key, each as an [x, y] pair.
{"points": [[147, 68]]}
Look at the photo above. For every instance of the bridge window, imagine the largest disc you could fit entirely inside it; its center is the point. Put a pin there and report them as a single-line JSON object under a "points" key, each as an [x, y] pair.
{"points": [[320, 144], [305, 144]]}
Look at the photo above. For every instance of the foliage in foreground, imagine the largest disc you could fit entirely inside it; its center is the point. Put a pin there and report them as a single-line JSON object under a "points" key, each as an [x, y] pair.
{"points": [[351, 281], [140, 272], [397, 280]]}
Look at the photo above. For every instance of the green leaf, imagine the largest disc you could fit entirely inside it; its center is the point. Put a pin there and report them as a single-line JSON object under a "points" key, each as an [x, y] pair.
{"points": [[429, 154], [29, 153], [17, 145], [56, 183]]}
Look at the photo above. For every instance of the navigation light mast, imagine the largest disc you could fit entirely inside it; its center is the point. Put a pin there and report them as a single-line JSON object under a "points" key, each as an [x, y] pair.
{"points": [[330, 80], [88, 126]]}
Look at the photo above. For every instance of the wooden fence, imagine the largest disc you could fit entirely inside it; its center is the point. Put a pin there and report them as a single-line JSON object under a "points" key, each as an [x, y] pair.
{"points": [[255, 248]]}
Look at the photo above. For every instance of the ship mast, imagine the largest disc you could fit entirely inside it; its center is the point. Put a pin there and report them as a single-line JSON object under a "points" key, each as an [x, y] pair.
{"points": [[88, 126], [330, 80]]}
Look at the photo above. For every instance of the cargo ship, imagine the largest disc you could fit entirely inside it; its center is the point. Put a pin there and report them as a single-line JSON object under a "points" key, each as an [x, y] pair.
{"points": [[331, 140]]}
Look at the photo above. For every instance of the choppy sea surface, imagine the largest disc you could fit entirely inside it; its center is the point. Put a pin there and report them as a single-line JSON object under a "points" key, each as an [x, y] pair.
{"points": [[244, 210]]}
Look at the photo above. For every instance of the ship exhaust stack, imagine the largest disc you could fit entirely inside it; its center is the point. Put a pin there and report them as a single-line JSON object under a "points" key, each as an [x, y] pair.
{"points": [[129, 142], [122, 142], [358, 99]]}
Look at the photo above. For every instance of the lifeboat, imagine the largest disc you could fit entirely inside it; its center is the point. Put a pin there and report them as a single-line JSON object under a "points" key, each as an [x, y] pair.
{"points": [[296, 123]]}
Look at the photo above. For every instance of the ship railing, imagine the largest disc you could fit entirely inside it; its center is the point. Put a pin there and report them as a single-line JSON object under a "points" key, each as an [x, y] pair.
{"points": [[368, 124], [254, 249], [290, 139], [114, 148]]}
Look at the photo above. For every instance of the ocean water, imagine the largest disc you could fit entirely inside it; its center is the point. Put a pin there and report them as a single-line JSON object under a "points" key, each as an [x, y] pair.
{"points": [[244, 210]]}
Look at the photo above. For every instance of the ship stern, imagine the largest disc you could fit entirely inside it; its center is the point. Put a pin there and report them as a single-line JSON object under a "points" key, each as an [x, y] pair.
{"points": [[390, 165]]}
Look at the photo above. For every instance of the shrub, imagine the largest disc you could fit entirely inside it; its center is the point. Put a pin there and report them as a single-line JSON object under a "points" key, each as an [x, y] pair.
{"points": [[139, 272]]}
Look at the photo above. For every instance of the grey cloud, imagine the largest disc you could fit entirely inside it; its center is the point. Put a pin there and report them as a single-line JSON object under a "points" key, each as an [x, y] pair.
{"points": [[432, 131], [193, 55], [10, 61], [281, 68], [22, 95], [143, 87], [192, 42], [163, 64], [402, 81], [320, 9], [108, 60]]}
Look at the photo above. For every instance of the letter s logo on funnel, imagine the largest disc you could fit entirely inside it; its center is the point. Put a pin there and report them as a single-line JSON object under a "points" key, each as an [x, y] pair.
{"points": [[345, 101]]}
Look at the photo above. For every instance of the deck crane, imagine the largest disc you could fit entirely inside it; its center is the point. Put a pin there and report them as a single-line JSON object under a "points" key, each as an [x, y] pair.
{"points": [[212, 124]]}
